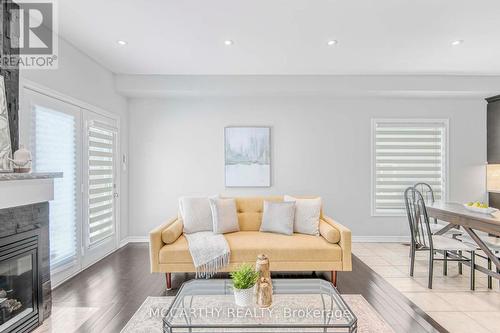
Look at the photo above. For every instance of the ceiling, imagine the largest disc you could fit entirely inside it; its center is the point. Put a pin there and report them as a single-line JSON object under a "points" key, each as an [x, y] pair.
{"points": [[286, 36]]}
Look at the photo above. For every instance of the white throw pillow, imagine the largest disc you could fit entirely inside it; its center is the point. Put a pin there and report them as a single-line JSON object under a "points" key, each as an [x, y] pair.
{"points": [[307, 213], [196, 214], [224, 216], [278, 217]]}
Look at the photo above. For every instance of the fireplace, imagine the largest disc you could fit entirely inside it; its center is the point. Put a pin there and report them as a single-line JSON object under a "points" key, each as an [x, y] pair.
{"points": [[25, 286], [20, 285]]}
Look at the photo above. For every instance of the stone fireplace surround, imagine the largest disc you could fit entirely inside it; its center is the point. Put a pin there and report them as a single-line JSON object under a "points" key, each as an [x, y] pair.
{"points": [[24, 210]]}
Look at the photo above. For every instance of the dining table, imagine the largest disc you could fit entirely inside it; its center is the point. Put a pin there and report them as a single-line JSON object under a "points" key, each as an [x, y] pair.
{"points": [[456, 215]]}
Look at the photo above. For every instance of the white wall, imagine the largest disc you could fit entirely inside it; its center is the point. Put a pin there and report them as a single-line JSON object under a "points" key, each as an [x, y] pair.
{"points": [[320, 146], [80, 77]]}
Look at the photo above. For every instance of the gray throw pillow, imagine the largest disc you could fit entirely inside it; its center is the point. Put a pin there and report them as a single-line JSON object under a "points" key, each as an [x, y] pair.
{"points": [[225, 217], [278, 217]]}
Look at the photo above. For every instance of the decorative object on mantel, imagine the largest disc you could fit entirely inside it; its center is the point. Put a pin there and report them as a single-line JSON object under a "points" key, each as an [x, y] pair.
{"points": [[22, 160], [244, 279], [265, 293], [247, 159], [5, 143]]}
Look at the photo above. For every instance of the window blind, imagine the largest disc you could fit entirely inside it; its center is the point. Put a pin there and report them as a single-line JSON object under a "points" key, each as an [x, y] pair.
{"points": [[101, 143], [407, 153], [54, 149]]}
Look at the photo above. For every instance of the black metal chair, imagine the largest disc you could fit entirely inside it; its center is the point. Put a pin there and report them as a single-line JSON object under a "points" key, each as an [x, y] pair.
{"points": [[426, 191], [493, 243], [422, 238], [429, 198]]}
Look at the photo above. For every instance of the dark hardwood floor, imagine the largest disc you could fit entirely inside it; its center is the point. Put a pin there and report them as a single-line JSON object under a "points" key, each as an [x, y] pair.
{"points": [[118, 285]]}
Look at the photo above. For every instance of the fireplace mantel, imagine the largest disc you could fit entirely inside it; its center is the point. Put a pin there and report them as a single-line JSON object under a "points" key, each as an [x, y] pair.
{"points": [[18, 189], [24, 209]]}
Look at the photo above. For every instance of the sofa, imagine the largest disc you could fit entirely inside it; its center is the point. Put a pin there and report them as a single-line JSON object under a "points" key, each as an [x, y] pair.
{"points": [[331, 251]]}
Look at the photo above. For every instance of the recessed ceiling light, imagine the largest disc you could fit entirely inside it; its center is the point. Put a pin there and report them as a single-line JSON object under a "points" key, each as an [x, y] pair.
{"points": [[228, 42], [332, 42], [121, 42], [457, 42]]}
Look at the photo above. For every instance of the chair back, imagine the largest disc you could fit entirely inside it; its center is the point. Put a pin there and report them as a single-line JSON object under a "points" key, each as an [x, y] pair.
{"points": [[418, 220], [426, 191]]}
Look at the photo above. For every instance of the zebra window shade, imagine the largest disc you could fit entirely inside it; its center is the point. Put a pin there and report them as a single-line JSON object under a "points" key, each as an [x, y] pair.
{"points": [[101, 143], [405, 153]]}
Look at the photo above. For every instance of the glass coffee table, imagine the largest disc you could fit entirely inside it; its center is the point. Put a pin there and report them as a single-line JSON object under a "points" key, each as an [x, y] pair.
{"points": [[299, 305]]}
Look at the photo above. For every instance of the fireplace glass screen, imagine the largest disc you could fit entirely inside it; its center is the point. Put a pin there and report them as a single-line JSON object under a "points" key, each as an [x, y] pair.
{"points": [[16, 290]]}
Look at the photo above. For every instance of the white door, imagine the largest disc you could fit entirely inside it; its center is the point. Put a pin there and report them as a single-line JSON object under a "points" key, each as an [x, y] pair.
{"points": [[101, 190], [54, 138], [84, 146]]}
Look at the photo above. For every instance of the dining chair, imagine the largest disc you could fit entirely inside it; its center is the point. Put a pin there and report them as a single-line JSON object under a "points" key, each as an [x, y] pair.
{"points": [[422, 238], [429, 198], [493, 243], [426, 191]]}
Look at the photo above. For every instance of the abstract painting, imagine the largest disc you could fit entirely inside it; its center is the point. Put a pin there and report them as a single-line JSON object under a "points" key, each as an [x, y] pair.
{"points": [[5, 146], [247, 156]]}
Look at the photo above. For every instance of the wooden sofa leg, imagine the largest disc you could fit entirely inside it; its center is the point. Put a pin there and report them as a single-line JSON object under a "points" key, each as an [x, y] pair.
{"points": [[168, 277], [334, 278]]}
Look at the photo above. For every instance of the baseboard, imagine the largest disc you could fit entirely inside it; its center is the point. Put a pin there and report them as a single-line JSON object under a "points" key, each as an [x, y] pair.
{"points": [[134, 239], [380, 239]]}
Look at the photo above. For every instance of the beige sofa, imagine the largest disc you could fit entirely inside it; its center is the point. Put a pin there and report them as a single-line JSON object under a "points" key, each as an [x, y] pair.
{"points": [[331, 251]]}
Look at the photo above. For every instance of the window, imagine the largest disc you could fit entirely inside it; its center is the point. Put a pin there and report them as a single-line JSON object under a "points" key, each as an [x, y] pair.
{"points": [[101, 146], [406, 152], [55, 148]]}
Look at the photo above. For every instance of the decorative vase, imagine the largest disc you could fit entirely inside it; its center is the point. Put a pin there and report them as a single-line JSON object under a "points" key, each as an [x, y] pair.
{"points": [[265, 293], [22, 160], [243, 297], [262, 266]]}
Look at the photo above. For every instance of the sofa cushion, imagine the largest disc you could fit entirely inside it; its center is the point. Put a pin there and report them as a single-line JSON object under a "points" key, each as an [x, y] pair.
{"points": [[307, 213], [224, 215], [196, 214], [330, 233], [172, 232], [278, 217], [246, 245], [177, 252]]}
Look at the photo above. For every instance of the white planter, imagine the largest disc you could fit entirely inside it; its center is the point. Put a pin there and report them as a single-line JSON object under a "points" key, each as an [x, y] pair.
{"points": [[244, 297]]}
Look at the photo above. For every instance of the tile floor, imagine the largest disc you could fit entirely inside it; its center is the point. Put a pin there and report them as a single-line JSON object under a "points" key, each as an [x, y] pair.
{"points": [[450, 302]]}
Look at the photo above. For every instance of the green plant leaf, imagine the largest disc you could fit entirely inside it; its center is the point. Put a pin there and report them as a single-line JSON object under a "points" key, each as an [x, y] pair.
{"points": [[244, 277]]}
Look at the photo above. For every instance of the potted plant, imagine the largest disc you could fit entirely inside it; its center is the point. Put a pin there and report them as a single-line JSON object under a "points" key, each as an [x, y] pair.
{"points": [[244, 279]]}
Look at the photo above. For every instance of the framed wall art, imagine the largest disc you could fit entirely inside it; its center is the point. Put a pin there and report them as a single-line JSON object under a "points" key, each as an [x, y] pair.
{"points": [[247, 156]]}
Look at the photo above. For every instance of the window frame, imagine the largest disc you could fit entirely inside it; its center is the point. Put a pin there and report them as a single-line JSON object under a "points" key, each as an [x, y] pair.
{"points": [[445, 176]]}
